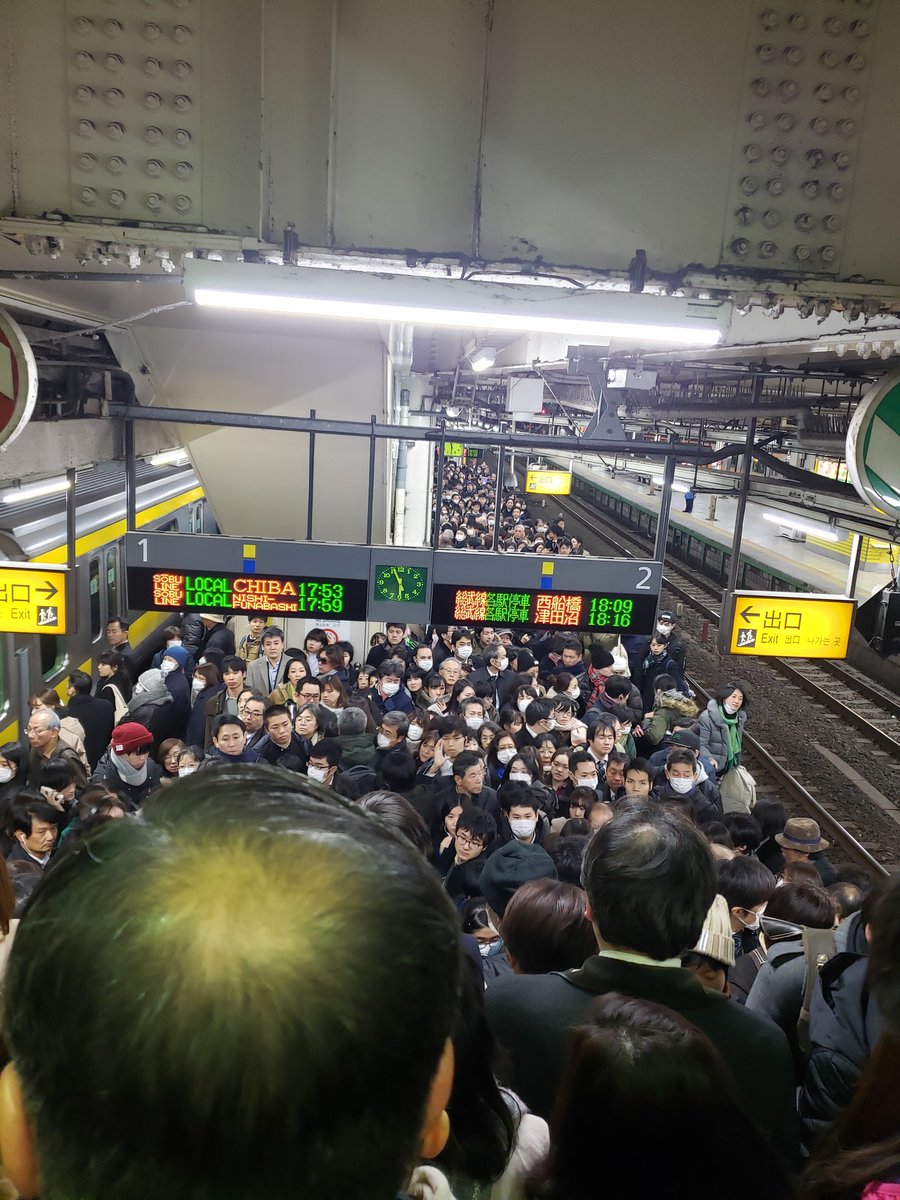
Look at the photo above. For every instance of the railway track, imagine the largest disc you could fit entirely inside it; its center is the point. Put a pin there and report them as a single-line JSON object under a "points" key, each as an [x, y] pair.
{"points": [[863, 706], [869, 709]]}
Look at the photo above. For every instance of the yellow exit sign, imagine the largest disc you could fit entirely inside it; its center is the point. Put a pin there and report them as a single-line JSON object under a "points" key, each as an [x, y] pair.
{"points": [[791, 625], [548, 483], [32, 599]]}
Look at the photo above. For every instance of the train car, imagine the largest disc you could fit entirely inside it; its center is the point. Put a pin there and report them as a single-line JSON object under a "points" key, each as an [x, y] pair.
{"points": [[168, 500]]}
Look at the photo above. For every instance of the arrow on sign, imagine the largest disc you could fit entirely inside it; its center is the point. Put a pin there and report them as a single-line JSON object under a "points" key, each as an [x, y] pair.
{"points": [[747, 614], [47, 590]]}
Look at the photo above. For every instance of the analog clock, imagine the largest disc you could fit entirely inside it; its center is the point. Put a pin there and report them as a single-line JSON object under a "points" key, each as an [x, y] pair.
{"points": [[399, 584]]}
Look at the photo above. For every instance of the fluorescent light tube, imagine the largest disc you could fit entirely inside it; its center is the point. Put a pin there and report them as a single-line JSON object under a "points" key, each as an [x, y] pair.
{"points": [[169, 458], [819, 531], [522, 322], [33, 491]]}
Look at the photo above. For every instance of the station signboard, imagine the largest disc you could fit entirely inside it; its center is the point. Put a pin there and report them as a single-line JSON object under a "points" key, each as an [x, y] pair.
{"points": [[548, 483], [171, 572], [32, 598], [791, 625]]}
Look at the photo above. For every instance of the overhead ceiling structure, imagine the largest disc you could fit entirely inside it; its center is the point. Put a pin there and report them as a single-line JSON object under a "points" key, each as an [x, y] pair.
{"points": [[730, 161]]}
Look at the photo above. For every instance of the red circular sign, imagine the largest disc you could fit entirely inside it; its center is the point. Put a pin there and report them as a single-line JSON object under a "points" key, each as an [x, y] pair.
{"points": [[18, 380]]}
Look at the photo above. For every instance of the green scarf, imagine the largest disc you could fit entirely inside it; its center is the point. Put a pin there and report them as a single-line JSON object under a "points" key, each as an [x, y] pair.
{"points": [[734, 739]]}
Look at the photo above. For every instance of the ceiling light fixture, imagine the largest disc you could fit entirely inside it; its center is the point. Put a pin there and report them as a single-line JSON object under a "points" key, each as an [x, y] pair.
{"points": [[483, 358], [455, 304], [169, 458], [819, 531], [33, 491]]}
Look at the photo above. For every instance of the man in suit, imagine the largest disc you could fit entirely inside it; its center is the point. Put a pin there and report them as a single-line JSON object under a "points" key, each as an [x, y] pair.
{"points": [[492, 672], [650, 879], [265, 672], [538, 721]]}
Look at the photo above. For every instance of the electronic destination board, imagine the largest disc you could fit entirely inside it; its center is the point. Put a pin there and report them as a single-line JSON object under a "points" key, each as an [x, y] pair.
{"points": [[229, 592], [172, 572], [589, 612]]}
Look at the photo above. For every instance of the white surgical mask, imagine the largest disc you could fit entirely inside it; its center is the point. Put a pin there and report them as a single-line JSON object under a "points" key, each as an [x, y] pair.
{"points": [[660, 628], [522, 827], [5, 774], [390, 687], [503, 665], [382, 740], [681, 786], [414, 734], [475, 722], [591, 781], [506, 755], [754, 924], [425, 664], [520, 777], [551, 724], [521, 705], [486, 949], [182, 771], [167, 666], [464, 652], [574, 691], [198, 685], [317, 773], [731, 709]]}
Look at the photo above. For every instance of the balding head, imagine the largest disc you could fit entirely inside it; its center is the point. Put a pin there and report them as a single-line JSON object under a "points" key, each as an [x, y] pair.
{"points": [[200, 969]]}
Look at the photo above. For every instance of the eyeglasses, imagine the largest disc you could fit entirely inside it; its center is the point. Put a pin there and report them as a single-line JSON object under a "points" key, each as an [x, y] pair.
{"points": [[469, 843], [323, 661]]}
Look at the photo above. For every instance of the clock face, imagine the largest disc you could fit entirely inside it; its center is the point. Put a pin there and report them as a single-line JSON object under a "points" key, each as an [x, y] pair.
{"points": [[400, 584]]}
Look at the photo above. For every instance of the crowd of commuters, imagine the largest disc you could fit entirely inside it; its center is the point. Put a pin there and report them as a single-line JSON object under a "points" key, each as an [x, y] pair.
{"points": [[476, 916], [467, 517]]}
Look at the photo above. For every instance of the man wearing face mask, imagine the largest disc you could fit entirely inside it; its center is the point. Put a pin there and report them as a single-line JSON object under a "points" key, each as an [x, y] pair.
{"points": [[680, 788], [748, 887], [666, 625], [472, 712], [423, 658], [390, 735], [463, 644], [538, 721], [522, 820], [388, 694]]}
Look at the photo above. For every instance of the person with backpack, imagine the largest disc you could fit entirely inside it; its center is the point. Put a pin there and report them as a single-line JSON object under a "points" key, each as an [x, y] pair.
{"points": [[792, 959]]}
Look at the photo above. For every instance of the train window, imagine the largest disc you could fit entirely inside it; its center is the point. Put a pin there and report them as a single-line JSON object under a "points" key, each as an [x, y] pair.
{"points": [[169, 527], [53, 654], [94, 589], [196, 518], [112, 581]]}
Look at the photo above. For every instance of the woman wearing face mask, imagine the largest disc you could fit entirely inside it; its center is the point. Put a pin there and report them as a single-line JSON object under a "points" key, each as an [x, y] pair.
{"points": [[500, 755], [189, 760], [524, 696], [206, 684], [13, 769], [525, 769], [419, 725], [721, 726]]}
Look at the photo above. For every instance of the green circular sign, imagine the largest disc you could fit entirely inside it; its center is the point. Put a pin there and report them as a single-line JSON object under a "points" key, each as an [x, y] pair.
{"points": [[873, 446]]}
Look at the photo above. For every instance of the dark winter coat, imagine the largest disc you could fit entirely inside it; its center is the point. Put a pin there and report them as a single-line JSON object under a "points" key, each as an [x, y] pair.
{"points": [[97, 718], [844, 1025], [694, 804], [132, 794], [532, 1017], [650, 670], [220, 638]]}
